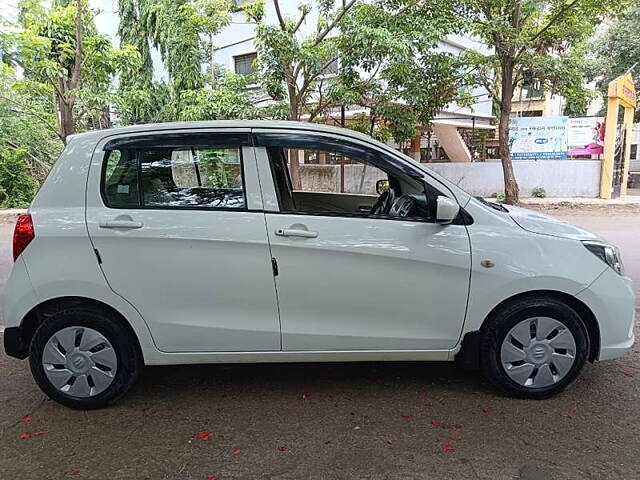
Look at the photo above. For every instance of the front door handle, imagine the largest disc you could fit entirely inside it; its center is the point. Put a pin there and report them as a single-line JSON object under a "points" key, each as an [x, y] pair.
{"points": [[295, 232], [126, 224]]}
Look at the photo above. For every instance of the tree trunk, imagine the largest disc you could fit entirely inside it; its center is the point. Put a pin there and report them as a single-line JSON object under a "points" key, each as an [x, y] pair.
{"points": [[212, 60], [67, 124], [294, 114], [511, 189]]}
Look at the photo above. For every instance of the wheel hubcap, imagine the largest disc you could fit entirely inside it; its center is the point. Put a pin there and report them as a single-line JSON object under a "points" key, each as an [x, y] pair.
{"points": [[538, 352], [79, 361]]}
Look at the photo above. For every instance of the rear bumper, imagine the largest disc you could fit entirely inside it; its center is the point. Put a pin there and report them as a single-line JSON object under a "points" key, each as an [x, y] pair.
{"points": [[13, 344], [611, 299]]}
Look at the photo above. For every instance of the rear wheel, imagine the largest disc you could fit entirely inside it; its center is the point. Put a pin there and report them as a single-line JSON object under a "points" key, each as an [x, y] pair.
{"points": [[534, 348], [84, 358]]}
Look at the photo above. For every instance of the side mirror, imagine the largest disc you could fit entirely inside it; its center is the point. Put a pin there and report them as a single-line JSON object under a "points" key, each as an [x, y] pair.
{"points": [[447, 210], [382, 186]]}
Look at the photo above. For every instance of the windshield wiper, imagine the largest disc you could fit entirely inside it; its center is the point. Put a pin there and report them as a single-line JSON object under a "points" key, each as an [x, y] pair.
{"points": [[495, 206]]}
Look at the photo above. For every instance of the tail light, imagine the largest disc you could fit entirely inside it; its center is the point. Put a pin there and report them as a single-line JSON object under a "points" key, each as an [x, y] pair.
{"points": [[22, 235]]}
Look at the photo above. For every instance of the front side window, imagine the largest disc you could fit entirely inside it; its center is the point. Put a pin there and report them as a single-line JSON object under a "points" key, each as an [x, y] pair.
{"points": [[180, 177], [347, 180]]}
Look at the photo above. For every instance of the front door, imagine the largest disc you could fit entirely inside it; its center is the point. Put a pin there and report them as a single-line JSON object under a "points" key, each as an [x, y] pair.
{"points": [[172, 225], [352, 276]]}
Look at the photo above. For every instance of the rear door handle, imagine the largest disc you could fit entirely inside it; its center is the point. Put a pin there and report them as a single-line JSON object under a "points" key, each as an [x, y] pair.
{"points": [[126, 224], [293, 232]]}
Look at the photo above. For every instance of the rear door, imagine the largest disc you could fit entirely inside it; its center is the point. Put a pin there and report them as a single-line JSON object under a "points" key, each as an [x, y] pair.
{"points": [[176, 218]]}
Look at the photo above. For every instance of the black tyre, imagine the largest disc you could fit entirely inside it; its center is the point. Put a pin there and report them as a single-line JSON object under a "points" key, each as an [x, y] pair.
{"points": [[533, 348], [84, 358]]}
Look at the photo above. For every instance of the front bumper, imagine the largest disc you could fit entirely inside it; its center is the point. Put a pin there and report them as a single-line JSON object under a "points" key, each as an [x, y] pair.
{"points": [[612, 300], [13, 344]]}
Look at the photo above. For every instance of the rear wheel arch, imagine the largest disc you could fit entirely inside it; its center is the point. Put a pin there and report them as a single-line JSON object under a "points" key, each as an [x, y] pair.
{"points": [[39, 313]]}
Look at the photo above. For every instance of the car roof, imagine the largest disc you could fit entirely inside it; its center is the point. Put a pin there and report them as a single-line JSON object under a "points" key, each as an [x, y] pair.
{"points": [[253, 124]]}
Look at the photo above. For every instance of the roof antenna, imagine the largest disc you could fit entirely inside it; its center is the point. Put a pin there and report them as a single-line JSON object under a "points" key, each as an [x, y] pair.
{"points": [[631, 68]]}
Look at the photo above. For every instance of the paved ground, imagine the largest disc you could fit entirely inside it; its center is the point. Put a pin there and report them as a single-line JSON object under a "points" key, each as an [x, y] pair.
{"points": [[317, 421]]}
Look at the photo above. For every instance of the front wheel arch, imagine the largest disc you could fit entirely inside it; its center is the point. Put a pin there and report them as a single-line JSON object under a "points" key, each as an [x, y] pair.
{"points": [[583, 311], [469, 354]]}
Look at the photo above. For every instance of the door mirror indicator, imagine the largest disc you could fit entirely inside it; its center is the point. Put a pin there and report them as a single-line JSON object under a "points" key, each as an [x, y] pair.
{"points": [[447, 210], [382, 186]]}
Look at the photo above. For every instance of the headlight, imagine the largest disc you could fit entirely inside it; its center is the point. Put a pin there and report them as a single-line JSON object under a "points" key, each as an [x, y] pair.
{"points": [[607, 253]]}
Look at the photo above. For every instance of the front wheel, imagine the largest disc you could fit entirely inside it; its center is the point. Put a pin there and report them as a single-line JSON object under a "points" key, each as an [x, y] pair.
{"points": [[83, 358], [534, 348]]}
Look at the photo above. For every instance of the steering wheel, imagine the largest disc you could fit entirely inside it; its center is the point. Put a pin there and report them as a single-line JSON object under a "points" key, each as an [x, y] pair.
{"points": [[402, 206], [384, 203]]}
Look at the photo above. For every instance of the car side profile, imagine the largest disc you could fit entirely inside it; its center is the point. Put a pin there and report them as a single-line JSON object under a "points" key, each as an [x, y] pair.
{"points": [[264, 241]]}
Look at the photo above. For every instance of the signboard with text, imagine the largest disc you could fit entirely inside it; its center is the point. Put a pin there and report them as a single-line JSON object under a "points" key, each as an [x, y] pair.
{"points": [[538, 137], [585, 130]]}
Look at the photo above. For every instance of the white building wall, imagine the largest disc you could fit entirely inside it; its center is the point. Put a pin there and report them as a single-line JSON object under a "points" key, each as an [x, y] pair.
{"points": [[559, 178]]}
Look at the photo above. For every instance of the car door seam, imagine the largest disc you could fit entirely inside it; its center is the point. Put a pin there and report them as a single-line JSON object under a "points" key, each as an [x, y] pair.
{"points": [[266, 231]]}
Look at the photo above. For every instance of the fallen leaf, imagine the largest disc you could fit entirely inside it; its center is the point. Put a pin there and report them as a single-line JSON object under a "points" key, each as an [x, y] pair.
{"points": [[391, 442], [436, 423], [212, 477], [236, 453], [571, 413], [423, 391], [446, 426], [448, 448], [356, 428], [173, 409], [25, 436], [428, 405], [407, 417], [39, 433], [204, 435], [485, 410], [26, 419], [147, 411], [627, 373], [75, 471], [305, 395], [282, 449], [455, 438], [457, 426]]}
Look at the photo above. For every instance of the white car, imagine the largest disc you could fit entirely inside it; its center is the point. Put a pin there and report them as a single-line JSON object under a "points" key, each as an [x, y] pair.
{"points": [[263, 241]]}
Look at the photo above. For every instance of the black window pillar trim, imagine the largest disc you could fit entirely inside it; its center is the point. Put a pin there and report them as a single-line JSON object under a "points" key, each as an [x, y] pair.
{"points": [[159, 139]]}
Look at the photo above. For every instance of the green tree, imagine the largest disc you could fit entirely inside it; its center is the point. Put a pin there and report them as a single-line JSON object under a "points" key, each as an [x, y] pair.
{"points": [[17, 185], [135, 81], [64, 58], [530, 39], [378, 54], [616, 50], [196, 89]]}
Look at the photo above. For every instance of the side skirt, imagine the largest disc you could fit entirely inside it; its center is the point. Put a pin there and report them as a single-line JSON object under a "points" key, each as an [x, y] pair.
{"points": [[160, 358]]}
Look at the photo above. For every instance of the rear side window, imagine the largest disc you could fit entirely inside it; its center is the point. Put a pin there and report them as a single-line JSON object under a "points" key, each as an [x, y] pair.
{"points": [[174, 177]]}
